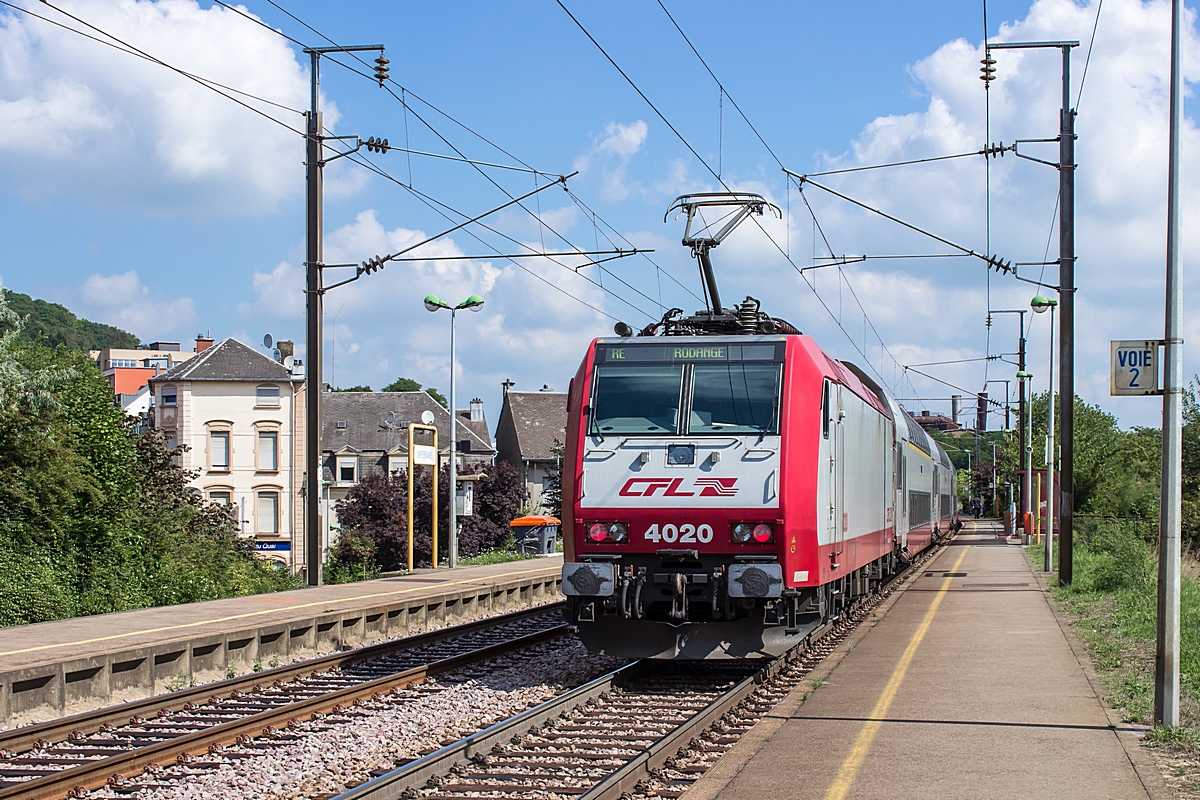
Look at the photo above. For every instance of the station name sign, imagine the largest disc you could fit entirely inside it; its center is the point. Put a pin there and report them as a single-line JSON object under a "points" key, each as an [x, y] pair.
{"points": [[660, 353], [425, 454], [1134, 367]]}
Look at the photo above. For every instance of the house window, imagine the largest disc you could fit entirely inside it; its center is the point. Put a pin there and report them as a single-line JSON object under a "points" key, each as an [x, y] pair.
{"points": [[218, 449], [268, 512], [169, 397], [267, 396], [347, 470], [268, 451], [221, 497]]}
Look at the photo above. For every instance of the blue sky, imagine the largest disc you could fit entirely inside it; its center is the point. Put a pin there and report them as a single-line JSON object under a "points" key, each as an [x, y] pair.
{"points": [[138, 198]]}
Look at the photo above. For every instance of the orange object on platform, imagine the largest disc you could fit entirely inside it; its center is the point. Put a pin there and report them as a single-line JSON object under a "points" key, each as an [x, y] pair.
{"points": [[529, 522]]}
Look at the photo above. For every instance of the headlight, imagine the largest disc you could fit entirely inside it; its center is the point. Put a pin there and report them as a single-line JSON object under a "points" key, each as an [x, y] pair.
{"points": [[763, 533], [614, 532], [747, 532], [742, 532]]}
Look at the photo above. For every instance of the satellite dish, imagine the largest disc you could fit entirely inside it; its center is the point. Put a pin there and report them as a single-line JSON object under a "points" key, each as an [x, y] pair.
{"points": [[275, 354], [391, 417], [289, 361], [268, 341], [427, 417]]}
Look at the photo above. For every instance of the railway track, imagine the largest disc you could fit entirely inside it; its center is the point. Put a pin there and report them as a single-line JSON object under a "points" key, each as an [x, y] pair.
{"points": [[71, 756], [650, 728]]}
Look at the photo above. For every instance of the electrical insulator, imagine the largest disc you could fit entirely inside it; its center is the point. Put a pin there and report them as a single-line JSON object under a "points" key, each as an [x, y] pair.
{"points": [[381, 69], [377, 145], [372, 264], [988, 69]]}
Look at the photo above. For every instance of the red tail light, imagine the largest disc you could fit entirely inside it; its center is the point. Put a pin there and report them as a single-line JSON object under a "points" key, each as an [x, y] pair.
{"points": [[607, 532]]}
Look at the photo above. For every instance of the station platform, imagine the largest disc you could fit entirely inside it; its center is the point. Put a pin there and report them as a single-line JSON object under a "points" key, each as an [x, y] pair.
{"points": [[51, 669], [965, 684]]}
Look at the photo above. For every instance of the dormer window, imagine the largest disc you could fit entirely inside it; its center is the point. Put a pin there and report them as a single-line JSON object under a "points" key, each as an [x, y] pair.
{"points": [[267, 397]]}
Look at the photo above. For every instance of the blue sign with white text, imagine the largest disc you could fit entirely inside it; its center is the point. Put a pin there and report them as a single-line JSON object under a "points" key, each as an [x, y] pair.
{"points": [[273, 546]]}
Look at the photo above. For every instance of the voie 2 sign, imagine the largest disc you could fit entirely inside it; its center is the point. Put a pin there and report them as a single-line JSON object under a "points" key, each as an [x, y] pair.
{"points": [[1134, 367]]}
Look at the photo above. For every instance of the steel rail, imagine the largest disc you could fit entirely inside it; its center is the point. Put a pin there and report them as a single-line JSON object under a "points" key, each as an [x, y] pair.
{"points": [[20, 740], [88, 775], [399, 783]]}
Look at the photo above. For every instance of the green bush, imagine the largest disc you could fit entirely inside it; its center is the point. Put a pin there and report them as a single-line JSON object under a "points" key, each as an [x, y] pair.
{"points": [[95, 517]]}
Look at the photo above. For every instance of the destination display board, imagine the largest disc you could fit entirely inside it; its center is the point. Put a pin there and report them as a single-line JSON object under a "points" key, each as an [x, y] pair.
{"points": [[669, 353]]}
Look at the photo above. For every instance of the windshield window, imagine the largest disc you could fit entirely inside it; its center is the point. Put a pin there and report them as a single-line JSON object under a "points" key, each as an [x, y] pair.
{"points": [[642, 399], [735, 398]]}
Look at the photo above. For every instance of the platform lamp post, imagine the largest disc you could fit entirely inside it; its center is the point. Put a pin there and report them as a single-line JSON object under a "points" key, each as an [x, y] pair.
{"points": [[1039, 304], [432, 304], [1025, 380]]}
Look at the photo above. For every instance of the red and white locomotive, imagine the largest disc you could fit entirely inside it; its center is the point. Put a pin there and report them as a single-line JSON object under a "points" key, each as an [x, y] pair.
{"points": [[728, 486]]}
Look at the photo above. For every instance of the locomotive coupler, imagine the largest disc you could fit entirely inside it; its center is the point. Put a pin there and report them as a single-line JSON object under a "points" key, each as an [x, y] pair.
{"points": [[679, 602]]}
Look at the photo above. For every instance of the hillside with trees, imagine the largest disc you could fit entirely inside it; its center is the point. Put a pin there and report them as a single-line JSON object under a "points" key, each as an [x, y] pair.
{"points": [[52, 325]]}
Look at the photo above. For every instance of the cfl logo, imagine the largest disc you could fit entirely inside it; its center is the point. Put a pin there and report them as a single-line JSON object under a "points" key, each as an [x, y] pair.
{"points": [[673, 487]]}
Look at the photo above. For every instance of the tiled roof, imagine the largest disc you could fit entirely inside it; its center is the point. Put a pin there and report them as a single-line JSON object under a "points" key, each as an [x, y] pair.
{"points": [[364, 425], [539, 418], [228, 360]]}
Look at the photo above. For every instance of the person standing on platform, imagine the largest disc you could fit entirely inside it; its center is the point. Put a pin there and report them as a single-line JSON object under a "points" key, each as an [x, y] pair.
{"points": [[977, 506]]}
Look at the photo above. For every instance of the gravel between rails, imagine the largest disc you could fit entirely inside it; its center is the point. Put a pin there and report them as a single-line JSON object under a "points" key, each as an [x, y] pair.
{"points": [[323, 757]]}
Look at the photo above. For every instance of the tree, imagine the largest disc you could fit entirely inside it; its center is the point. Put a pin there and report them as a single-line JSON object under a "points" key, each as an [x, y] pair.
{"points": [[93, 516], [552, 488], [358, 388], [376, 508], [409, 385], [51, 324]]}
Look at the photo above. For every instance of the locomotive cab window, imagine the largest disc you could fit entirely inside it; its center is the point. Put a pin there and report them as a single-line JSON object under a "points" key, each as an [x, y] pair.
{"points": [[637, 399], [734, 398]]}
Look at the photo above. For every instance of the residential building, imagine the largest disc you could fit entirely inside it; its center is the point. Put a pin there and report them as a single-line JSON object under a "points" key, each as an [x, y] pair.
{"points": [[366, 433], [241, 415], [128, 371], [530, 425]]}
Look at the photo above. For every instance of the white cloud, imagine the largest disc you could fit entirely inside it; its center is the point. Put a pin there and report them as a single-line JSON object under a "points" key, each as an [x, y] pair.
{"points": [[123, 300], [624, 140], [614, 150], [76, 116]]}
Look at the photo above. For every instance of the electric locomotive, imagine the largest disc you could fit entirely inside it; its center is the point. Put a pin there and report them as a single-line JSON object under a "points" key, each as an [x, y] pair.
{"points": [[729, 487]]}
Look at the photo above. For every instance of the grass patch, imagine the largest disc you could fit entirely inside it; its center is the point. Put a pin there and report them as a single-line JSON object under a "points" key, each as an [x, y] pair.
{"points": [[1112, 605], [495, 557]]}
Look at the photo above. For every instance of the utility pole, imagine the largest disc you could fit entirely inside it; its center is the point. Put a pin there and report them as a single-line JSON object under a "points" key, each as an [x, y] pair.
{"points": [[1066, 288], [314, 293], [1166, 656], [1065, 497]]}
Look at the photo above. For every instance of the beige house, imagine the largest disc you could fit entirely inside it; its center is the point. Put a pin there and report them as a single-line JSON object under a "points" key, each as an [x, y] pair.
{"points": [[241, 415]]}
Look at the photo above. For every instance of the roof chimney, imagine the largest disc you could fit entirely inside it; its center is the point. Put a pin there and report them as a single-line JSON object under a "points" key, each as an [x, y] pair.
{"points": [[477, 410], [203, 342]]}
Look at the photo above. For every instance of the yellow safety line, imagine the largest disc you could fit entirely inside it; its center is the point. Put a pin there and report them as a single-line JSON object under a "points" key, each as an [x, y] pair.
{"points": [[858, 753], [331, 601]]}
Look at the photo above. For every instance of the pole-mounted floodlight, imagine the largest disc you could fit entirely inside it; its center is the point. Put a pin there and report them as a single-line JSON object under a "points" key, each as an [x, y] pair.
{"points": [[435, 303], [1039, 304]]}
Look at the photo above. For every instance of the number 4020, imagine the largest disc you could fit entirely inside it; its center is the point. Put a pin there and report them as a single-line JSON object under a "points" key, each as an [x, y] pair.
{"points": [[682, 534]]}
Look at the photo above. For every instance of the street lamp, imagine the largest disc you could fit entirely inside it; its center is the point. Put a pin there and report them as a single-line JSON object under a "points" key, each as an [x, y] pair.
{"points": [[1026, 384], [433, 303], [1039, 304]]}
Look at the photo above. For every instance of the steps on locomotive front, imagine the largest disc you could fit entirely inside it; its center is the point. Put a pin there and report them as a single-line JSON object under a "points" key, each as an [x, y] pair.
{"points": [[965, 687]]}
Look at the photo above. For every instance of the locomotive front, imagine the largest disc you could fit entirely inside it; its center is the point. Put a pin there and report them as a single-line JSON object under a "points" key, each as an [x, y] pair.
{"points": [[676, 523]]}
